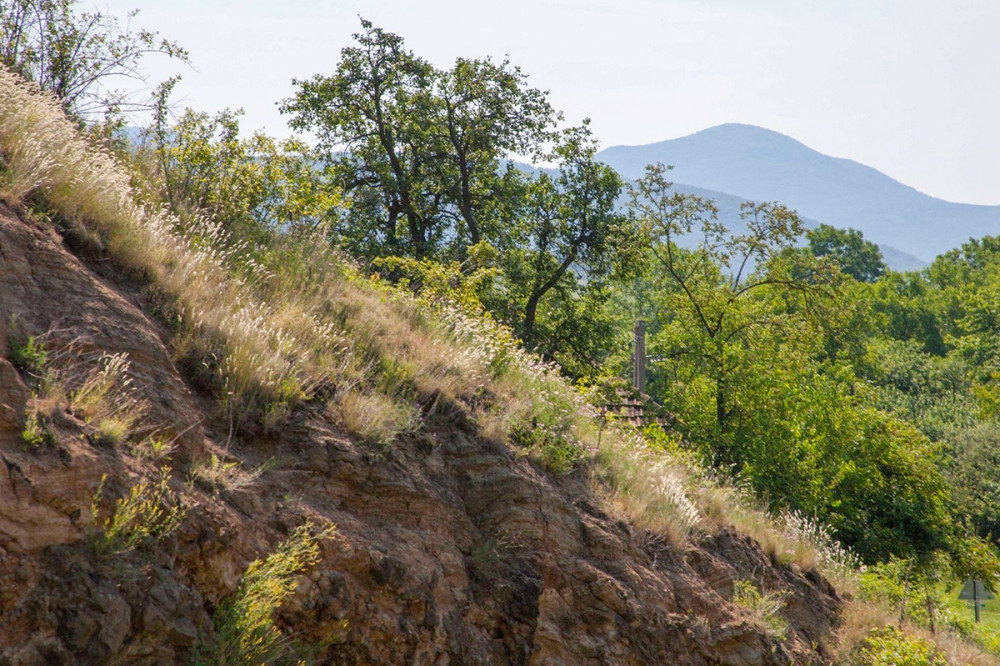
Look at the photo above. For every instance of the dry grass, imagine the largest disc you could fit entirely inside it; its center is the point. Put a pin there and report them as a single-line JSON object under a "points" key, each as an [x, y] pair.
{"points": [[374, 417]]}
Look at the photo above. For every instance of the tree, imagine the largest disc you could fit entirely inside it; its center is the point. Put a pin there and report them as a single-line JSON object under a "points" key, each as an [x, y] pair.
{"points": [[857, 257], [723, 286], [570, 230], [372, 120], [419, 151], [487, 113], [77, 55], [252, 187]]}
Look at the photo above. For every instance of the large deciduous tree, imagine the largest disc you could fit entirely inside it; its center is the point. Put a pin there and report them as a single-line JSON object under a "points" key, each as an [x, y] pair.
{"points": [[373, 122], [857, 257], [718, 286], [570, 233], [420, 151]]}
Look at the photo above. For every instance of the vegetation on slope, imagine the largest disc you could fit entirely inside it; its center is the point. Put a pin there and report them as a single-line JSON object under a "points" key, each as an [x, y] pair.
{"points": [[239, 244]]}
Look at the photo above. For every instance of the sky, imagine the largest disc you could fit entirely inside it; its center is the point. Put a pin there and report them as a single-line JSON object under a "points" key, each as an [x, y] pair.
{"points": [[910, 87]]}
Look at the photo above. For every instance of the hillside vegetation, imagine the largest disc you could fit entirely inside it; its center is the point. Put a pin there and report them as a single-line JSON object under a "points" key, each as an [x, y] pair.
{"points": [[243, 360]]}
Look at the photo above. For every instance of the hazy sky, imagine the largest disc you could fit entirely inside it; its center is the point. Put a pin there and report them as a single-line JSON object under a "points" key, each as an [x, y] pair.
{"points": [[910, 87]]}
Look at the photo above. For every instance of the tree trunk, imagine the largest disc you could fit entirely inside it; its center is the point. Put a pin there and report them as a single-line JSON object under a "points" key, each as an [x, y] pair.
{"points": [[530, 308]]}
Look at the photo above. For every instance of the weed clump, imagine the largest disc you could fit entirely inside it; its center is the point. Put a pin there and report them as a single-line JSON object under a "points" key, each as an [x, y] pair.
{"points": [[149, 512], [245, 632], [764, 608]]}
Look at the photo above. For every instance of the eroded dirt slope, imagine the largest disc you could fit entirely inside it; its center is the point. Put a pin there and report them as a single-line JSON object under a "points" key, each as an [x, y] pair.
{"points": [[450, 549]]}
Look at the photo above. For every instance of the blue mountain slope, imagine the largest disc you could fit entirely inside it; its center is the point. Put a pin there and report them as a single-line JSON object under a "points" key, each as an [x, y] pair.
{"points": [[754, 163]]}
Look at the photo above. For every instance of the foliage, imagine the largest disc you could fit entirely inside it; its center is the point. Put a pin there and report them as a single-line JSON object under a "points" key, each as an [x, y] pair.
{"points": [[891, 647], [29, 356], [975, 474], [764, 609], [418, 151], [37, 433], [245, 632], [424, 160], [857, 257], [462, 283], [250, 187], [150, 511], [711, 284], [77, 55]]}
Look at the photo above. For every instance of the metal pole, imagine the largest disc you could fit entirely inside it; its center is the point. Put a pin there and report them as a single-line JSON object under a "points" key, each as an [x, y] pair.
{"points": [[639, 369], [975, 598]]}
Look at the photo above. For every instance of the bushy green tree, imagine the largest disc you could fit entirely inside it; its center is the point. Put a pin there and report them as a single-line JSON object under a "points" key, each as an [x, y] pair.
{"points": [[420, 152], [251, 186], [727, 287], [857, 257]]}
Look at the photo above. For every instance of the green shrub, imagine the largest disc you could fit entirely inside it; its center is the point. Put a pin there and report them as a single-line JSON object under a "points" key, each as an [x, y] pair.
{"points": [[244, 625], [764, 609], [891, 647], [37, 433], [148, 513], [29, 356]]}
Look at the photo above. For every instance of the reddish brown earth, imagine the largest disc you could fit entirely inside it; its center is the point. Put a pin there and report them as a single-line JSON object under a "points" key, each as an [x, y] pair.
{"points": [[450, 549]]}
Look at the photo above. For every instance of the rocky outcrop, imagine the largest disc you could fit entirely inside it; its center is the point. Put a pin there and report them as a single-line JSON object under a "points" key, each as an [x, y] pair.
{"points": [[450, 548]]}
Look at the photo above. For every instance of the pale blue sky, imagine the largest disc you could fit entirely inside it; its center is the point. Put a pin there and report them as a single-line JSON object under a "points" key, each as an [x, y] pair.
{"points": [[910, 87]]}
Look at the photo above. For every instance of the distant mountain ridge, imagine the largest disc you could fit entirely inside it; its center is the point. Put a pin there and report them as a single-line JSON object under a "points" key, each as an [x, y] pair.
{"points": [[751, 162]]}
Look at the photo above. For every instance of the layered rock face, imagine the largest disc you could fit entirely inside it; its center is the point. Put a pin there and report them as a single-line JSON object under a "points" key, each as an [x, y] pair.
{"points": [[449, 548]]}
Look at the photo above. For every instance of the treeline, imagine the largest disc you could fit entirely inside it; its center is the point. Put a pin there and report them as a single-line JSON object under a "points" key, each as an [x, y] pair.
{"points": [[790, 359]]}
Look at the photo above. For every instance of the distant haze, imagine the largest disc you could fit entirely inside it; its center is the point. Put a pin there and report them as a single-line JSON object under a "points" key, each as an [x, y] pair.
{"points": [[907, 86], [755, 163]]}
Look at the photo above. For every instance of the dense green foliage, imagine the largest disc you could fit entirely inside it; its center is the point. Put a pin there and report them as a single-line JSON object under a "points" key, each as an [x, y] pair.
{"points": [[857, 257]]}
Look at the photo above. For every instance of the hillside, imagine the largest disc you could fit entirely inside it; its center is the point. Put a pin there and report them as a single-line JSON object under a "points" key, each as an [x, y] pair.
{"points": [[135, 501], [754, 163]]}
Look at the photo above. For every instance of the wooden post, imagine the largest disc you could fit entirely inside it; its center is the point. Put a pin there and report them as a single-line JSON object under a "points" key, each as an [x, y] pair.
{"points": [[639, 369], [975, 598]]}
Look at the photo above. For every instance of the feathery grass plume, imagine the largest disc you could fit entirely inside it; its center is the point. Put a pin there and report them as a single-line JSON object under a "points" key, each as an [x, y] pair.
{"points": [[43, 152], [649, 489], [107, 400]]}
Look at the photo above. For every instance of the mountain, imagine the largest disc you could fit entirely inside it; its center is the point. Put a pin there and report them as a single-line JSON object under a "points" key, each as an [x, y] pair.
{"points": [[755, 163]]}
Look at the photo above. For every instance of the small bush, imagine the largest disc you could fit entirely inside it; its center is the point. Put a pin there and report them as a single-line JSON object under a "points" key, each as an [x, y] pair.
{"points": [[217, 474], [764, 609], [153, 448], [29, 356], [148, 513], [891, 647], [244, 625], [37, 433]]}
